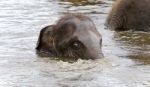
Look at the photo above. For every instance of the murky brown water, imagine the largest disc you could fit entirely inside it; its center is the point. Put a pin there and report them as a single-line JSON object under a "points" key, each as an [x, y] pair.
{"points": [[127, 54]]}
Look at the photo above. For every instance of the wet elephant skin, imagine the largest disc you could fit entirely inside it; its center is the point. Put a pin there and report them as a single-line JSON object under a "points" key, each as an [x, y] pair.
{"points": [[73, 36], [130, 14]]}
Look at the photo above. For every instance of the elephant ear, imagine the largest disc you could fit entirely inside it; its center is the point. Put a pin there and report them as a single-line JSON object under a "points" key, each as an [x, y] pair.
{"points": [[46, 39]]}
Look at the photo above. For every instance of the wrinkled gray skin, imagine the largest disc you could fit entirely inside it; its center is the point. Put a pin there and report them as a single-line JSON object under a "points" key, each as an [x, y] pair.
{"points": [[73, 36], [130, 14]]}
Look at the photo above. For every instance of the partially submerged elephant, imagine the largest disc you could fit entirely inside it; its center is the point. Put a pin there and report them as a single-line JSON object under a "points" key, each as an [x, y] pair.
{"points": [[130, 14], [73, 36]]}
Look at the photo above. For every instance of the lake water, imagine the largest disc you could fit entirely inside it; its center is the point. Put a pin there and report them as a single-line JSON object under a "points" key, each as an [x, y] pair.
{"points": [[127, 54]]}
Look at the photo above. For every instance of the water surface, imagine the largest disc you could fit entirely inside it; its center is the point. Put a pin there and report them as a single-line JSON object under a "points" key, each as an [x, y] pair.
{"points": [[127, 54]]}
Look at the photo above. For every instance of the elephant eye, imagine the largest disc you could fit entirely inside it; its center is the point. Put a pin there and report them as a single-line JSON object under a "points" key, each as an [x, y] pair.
{"points": [[76, 45]]}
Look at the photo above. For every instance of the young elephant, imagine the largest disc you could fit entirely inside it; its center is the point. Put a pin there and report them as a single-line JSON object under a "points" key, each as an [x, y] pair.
{"points": [[72, 36], [130, 14]]}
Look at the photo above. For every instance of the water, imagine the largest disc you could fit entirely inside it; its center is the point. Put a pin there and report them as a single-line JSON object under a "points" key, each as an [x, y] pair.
{"points": [[127, 54]]}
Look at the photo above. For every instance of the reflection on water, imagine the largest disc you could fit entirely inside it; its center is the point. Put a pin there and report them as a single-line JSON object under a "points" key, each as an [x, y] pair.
{"points": [[127, 54], [137, 44], [83, 2]]}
